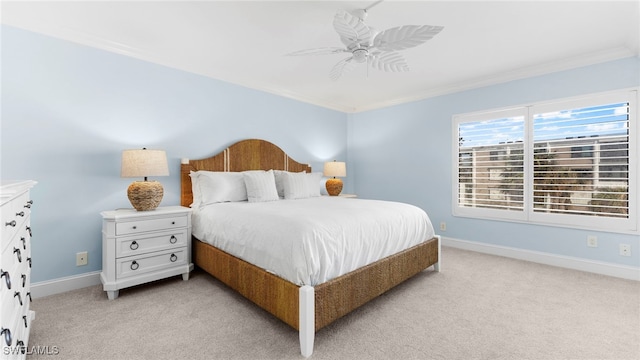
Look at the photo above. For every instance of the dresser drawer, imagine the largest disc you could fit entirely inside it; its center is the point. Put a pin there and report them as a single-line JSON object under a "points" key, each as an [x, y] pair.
{"points": [[141, 225], [9, 229], [128, 246], [13, 221], [8, 310], [10, 322], [10, 261], [135, 265]]}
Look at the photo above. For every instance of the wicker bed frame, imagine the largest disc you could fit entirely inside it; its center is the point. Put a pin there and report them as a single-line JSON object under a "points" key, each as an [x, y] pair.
{"points": [[306, 309]]}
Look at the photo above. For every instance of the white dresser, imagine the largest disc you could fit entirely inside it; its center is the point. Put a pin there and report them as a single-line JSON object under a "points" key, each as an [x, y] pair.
{"points": [[143, 246], [15, 269]]}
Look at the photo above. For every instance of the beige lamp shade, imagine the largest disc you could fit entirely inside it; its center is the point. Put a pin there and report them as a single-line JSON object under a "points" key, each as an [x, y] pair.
{"points": [[143, 163], [334, 169], [144, 195]]}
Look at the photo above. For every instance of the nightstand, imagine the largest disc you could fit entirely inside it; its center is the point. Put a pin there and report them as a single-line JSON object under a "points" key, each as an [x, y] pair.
{"points": [[143, 246]]}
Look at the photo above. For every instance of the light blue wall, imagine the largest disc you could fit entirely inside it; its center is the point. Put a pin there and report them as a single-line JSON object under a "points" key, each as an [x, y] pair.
{"points": [[404, 153], [68, 111]]}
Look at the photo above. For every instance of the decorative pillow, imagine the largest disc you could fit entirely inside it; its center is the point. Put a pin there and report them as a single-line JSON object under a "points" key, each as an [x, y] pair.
{"points": [[301, 185], [279, 176], [260, 185], [213, 187]]}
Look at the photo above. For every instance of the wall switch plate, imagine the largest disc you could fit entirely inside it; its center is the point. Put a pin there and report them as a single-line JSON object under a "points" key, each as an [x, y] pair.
{"points": [[443, 226], [82, 258], [625, 249], [592, 241]]}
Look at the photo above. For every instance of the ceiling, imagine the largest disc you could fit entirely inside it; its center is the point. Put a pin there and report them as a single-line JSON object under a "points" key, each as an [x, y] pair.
{"points": [[246, 42]]}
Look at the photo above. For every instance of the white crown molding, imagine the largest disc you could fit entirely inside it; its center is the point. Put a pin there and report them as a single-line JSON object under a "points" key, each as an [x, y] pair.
{"points": [[86, 39], [90, 40], [517, 74]]}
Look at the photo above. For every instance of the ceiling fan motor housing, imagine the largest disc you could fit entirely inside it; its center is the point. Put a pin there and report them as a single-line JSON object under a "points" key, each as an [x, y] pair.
{"points": [[360, 55]]}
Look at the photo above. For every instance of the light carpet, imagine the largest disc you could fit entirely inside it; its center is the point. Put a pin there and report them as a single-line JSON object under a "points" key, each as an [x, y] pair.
{"points": [[479, 307]]}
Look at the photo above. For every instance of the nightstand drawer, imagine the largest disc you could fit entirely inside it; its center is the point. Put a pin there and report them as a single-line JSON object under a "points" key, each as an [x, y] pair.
{"points": [[135, 265], [128, 246], [138, 226]]}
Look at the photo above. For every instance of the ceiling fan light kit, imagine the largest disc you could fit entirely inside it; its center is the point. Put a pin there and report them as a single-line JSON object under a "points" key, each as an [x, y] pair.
{"points": [[367, 45]]}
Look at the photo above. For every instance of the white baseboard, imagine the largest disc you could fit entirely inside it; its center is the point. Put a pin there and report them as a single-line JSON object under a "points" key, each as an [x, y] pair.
{"points": [[598, 267], [57, 286]]}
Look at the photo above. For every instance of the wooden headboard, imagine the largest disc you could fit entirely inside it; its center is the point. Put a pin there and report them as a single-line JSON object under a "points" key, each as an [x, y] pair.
{"points": [[252, 154]]}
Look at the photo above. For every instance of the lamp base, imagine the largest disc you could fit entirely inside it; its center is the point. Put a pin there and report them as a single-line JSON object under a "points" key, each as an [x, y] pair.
{"points": [[145, 195], [334, 186]]}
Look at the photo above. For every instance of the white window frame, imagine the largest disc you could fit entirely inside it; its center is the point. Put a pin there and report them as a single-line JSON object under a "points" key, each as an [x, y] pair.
{"points": [[527, 215]]}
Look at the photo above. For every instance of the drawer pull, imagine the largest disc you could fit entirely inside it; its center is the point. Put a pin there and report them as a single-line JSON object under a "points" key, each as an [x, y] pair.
{"points": [[173, 239], [29, 261], [7, 277], [7, 336], [173, 258], [134, 245], [30, 202], [17, 293], [135, 265], [11, 223], [28, 206], [18, 254], [134, 227], [173, 223], [24, 243], [24, 317], [29, 296], [21, 214], [29, 230], [24, 280]]}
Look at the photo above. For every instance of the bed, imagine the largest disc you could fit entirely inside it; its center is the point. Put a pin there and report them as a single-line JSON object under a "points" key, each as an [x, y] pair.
{"points": [[306, 305]]}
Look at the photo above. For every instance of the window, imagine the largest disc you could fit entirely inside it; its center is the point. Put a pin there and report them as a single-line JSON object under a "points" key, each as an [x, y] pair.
{"points": [[569, 163]]}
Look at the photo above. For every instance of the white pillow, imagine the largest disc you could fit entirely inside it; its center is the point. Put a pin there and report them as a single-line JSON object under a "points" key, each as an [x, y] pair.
{"points": [[195, 189], [279, 176], [218, 186], [301, 185], [260, 185]]}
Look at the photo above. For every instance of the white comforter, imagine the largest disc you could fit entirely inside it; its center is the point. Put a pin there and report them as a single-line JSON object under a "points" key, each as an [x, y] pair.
{"points": [[310, 241]]}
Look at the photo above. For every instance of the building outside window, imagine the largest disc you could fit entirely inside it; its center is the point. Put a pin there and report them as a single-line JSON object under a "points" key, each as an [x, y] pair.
{"points": [[565, 162]]}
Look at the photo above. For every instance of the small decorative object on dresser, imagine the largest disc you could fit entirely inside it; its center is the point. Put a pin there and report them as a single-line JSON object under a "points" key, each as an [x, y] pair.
{"points": [[334, 168], [144, 195], [15, 269], [139, 247]]}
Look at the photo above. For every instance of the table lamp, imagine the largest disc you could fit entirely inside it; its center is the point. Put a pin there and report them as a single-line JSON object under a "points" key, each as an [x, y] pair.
{"points": [[144, 195], [333, 169]]}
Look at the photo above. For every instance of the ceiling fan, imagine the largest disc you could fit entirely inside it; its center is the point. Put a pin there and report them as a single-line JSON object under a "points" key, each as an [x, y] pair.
{"points": [[368, 45]]}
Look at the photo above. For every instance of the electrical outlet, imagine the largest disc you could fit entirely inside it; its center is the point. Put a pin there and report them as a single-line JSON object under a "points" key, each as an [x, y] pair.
{"points": [[625, 249], [82, 258], [443, 226], [592, 241]]}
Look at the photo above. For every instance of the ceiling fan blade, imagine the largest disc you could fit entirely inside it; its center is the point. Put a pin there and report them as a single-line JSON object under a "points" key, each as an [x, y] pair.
{"points": [[404, 37], [319, 51], [351, 29], [342, 66], [389, 62], [372, 5]]}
